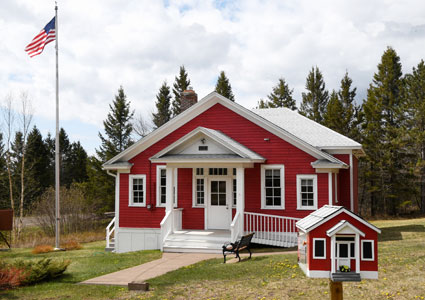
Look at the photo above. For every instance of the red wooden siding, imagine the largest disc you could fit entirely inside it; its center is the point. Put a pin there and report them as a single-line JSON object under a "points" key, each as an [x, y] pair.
{"points": [[320, 232], [344, 182], [275, 150], [356, 183]]}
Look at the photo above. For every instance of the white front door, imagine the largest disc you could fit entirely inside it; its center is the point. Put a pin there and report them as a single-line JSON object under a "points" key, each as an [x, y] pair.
{"points": [[343, 254], [219, 204]]}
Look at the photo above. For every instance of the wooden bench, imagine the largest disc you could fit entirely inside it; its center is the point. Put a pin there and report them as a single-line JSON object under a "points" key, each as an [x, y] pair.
{"points": [[243, 244]]}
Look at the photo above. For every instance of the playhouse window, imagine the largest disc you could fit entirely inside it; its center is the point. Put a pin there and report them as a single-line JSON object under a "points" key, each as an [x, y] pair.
{"points": [[272, 192], [319, 248], [307, 192], [367, 250], [137, 192]]}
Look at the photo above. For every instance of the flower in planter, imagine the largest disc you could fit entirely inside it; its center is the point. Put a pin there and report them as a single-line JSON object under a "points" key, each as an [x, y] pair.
{"points": [[344, 269]]}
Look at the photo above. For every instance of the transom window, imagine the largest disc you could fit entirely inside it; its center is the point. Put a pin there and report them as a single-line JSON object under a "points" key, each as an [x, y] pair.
{"points": [[307, 192], [137, 193], [272, 178], [217, 171]]}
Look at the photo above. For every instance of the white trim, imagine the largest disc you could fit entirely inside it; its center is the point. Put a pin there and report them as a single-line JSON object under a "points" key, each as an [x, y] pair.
{"points": [[373, 250], [327, 274], [158, 185], [341, 226], [204, 104], [351, 183], [130, 190], [282, 186], [330, 191], [314, 248], [306, 176]]}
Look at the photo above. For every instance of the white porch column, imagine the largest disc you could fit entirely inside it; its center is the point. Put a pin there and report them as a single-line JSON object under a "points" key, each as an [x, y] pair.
{"points": [[357, 252], [240, 195], [169, 189], [333, 262]]}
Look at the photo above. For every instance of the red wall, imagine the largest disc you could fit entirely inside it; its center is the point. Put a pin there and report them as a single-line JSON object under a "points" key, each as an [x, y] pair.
{"points": [[275, 150], [344, 182], [320, 232]]}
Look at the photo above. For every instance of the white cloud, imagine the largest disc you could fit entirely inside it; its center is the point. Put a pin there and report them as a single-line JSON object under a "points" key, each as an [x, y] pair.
{"points": [[139, 44]]}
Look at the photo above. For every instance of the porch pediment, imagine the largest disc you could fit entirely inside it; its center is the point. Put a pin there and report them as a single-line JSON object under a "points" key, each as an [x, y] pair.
{"points": [[204, 144], [344, 227]]}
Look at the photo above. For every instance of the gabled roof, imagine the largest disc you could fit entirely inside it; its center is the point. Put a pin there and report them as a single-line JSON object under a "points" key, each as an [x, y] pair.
{"points": [[313, 133], [325, 213], [237, 150], [206, 103]]}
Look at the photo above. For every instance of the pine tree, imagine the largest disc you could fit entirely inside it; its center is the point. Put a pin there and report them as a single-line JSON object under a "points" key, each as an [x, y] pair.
{"points": [[381, 142], [334, 116], [314, 102], [75, 166], [281, 96], [117, 128], [4, 183], [223, 87], [262, 104], [163, 99], [181, 84], [414, 129]]}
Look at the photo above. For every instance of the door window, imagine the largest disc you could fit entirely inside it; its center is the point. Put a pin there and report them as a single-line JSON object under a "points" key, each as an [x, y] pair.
{"points": [[218, 193]]}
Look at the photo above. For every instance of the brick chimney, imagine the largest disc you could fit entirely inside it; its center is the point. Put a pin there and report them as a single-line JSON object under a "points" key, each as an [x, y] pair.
{"points": [[188, 98]]}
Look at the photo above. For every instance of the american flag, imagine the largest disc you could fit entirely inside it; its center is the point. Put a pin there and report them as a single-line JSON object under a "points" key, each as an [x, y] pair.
{"points": [[46, 35]]}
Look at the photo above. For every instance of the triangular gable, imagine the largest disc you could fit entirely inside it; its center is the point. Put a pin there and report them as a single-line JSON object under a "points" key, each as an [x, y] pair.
{"points": [[325, 213], [344, 227], [200, 107], [216, 143]]}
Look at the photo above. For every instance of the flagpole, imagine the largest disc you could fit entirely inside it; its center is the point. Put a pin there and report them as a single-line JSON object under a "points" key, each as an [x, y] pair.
{"points": [[57, 179]]}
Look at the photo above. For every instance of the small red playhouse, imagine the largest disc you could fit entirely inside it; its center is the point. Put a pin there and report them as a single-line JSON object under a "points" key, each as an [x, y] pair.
{"points": [[335, 243]]}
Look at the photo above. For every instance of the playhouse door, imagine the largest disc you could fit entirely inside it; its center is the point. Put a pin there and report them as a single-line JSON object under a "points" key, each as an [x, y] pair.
{"points": [[343, 254], [219, 204]]}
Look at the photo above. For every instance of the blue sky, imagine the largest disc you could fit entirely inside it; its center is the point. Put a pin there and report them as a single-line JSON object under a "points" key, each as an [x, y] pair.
{"points": [[139, 44]]}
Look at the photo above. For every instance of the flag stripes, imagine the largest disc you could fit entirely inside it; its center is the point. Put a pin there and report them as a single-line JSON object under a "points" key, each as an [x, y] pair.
{"points": [[46, 35]]}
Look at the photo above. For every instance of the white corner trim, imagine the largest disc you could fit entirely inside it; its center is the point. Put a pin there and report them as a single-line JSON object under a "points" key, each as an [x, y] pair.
{"points": [[265, 167], [130, 190], [315, 197], [373, 250], [351, 183], [314, 248]]}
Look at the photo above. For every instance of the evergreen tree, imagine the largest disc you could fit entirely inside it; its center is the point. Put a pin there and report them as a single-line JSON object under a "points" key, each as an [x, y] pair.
{"points": [[281, 96], [75, 165], [223, 87], [314, 102], [4, 182], [334, 116], [181, 84], [262, 104], [37, 168], [118, 128], [381, 142], [163, 99], [17, 149], [414, 129]]}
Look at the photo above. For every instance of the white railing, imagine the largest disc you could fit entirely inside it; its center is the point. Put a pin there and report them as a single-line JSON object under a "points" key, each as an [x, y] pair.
{"points": [[271, 229], [109, 232], [236, 229], [166, 227]]}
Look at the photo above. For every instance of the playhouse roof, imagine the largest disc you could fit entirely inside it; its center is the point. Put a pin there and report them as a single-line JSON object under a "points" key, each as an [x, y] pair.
{"points": [[326, 212], [312, 132]]}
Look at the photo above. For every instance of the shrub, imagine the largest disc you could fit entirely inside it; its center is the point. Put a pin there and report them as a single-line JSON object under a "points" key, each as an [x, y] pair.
{"points": [[72, 245], [42, 249], [11, 277], [43, 269]]}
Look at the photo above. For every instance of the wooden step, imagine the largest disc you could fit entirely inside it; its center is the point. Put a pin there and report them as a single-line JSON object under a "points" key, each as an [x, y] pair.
{"points": [[345, 276]]}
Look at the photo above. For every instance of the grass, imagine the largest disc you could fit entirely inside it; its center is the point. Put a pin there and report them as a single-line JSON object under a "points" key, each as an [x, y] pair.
{"points": [[401, 263]]}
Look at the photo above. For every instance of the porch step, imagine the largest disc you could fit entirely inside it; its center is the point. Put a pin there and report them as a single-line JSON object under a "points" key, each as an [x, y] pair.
{"points": [[200, 241], [111, 246], [345, 276]]}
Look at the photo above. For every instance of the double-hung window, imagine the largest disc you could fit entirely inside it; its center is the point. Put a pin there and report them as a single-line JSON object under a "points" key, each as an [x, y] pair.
{"points": [[272, 187], [307, 192], [137, 190]]}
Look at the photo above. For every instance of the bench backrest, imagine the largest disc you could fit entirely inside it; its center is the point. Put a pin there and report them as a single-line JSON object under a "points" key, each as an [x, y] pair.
{"points": [[245, 240]]}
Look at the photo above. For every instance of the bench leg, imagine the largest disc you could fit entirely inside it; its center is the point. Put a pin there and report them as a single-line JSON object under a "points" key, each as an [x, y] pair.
{"points": [[237, 255], [224, 255], [250, 254]]}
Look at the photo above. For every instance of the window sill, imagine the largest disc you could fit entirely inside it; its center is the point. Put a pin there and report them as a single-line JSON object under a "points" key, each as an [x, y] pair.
{"points": [[319, 257], [273, 207], [137, 205], [306, 208]]}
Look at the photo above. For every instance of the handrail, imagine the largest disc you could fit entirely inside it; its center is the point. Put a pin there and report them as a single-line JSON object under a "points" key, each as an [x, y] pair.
{"points": [[166, 226], [109, 232], [235, 227]]}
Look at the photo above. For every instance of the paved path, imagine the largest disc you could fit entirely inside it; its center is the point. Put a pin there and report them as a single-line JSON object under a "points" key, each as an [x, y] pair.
{"points": [[168, 262]]}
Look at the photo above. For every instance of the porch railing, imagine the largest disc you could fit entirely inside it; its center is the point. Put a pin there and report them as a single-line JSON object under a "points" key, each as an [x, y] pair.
{"points": [[271, 229], [166, 227], [110, 229], [236, 229]]}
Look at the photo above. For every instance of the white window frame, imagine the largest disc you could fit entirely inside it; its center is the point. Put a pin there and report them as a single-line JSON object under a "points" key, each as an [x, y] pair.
{"points": [[373, 250], [130, 188], [194, 183], [263, 186], [158, 185], [314, 248], [299, 202]]}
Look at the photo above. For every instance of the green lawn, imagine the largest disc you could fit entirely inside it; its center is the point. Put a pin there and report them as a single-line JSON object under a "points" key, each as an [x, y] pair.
{"points": [[401, 262]]}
